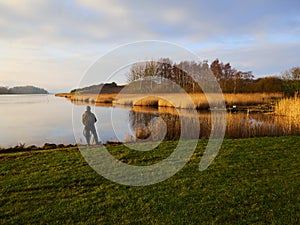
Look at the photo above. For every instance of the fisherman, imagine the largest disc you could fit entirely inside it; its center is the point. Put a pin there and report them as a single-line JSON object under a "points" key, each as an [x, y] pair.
{"points": [[88, 120]]}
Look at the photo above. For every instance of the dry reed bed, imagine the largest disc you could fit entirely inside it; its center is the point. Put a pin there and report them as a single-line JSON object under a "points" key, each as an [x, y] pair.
{"points": [[199, 100], [289, 107], [182, 101], [89, 98], [288, 111]]}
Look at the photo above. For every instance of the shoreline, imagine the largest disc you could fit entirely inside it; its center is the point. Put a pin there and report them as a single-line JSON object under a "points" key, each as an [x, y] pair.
{"points": [[52, 146], [46, 146], [49, 146]]}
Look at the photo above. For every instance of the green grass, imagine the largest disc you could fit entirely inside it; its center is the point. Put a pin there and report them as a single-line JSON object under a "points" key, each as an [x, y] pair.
{"points": [[252, 181]]}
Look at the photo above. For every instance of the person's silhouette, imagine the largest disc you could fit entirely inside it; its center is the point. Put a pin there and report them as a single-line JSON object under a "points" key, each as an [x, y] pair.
{"points": [[88, 120]]}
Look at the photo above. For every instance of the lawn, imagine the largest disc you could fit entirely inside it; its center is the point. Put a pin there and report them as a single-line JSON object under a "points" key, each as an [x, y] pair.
{"points": [[252, 181]]}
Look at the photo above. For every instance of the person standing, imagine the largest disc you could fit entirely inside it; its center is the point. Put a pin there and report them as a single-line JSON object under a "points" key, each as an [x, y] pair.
{"points": [[89, 119]]}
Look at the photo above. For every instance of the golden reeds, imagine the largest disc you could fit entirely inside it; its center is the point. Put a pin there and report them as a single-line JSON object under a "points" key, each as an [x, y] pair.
{"points": [[289, 107], [94, 99], [199, 100], [247, 99], [175, 100], [288, 112]]}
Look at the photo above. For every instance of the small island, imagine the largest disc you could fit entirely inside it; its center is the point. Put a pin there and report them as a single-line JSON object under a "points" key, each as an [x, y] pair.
{"points": [[22, 90]]}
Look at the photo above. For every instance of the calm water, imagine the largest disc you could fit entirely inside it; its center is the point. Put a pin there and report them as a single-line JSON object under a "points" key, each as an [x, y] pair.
{"points": [[37, 119], [34, 119]]}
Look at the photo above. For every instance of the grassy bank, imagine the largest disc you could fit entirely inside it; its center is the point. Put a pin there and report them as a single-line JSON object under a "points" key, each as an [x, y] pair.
{"points": [[252, 181]]}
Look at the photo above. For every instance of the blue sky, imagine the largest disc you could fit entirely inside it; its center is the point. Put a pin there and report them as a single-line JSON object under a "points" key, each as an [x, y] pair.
{"points": [[52, 43]]}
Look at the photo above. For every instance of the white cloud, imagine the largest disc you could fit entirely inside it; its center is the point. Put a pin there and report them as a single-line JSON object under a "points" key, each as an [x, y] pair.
{"points": [[110, 8], [261, 58], [52, 42]]}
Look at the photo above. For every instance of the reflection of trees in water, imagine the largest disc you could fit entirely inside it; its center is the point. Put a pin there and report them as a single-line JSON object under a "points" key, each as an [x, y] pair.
{"points": [[140, 123], [146, 124]]}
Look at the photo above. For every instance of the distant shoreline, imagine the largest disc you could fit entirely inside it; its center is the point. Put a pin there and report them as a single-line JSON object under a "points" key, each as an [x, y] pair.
{"points": [[22, 90], [27, 94]]}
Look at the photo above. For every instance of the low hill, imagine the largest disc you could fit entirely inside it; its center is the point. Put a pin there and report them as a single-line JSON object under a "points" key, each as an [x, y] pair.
{"points": [[110, 88], [23, 90]]}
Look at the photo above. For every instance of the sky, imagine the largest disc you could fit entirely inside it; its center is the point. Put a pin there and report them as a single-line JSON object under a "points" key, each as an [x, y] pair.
{"points": [[52, 43]]}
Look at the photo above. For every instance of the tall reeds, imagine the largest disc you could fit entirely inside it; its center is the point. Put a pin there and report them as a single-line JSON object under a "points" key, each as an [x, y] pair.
{"points": [[288, 112], [199, 100], [289, 107], [175, 100]]}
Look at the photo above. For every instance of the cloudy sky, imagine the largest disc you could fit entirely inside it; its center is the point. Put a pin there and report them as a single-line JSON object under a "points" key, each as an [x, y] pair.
{"points": [[51, 43]]}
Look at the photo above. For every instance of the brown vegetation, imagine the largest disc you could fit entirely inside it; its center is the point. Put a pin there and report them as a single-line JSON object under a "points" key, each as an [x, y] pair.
{"points": [[193, 100], [289, 107], [94, 99], [288, 112], [199, 100]]}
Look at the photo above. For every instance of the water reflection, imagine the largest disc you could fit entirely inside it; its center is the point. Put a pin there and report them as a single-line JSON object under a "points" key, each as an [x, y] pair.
{"points": [[44, 118], [166, 121], [239, 124], [140, 120]]}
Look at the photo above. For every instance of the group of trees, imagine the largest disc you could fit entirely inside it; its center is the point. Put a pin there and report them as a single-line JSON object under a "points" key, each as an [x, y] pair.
{"points": [[22, 90], [187, 74], [291, 79], [230, 79], [162, 70]]}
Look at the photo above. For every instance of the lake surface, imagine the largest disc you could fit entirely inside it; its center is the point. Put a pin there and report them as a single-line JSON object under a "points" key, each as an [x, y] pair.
{"points": [[37, 119]]}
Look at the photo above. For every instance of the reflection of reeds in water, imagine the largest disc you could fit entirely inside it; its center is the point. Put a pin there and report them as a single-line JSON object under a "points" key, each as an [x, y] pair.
{"points": [[243, 125], [238, 125]]}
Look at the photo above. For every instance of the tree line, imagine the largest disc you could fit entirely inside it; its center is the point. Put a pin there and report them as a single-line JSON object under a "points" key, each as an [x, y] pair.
{"points": [[188, 74]]}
